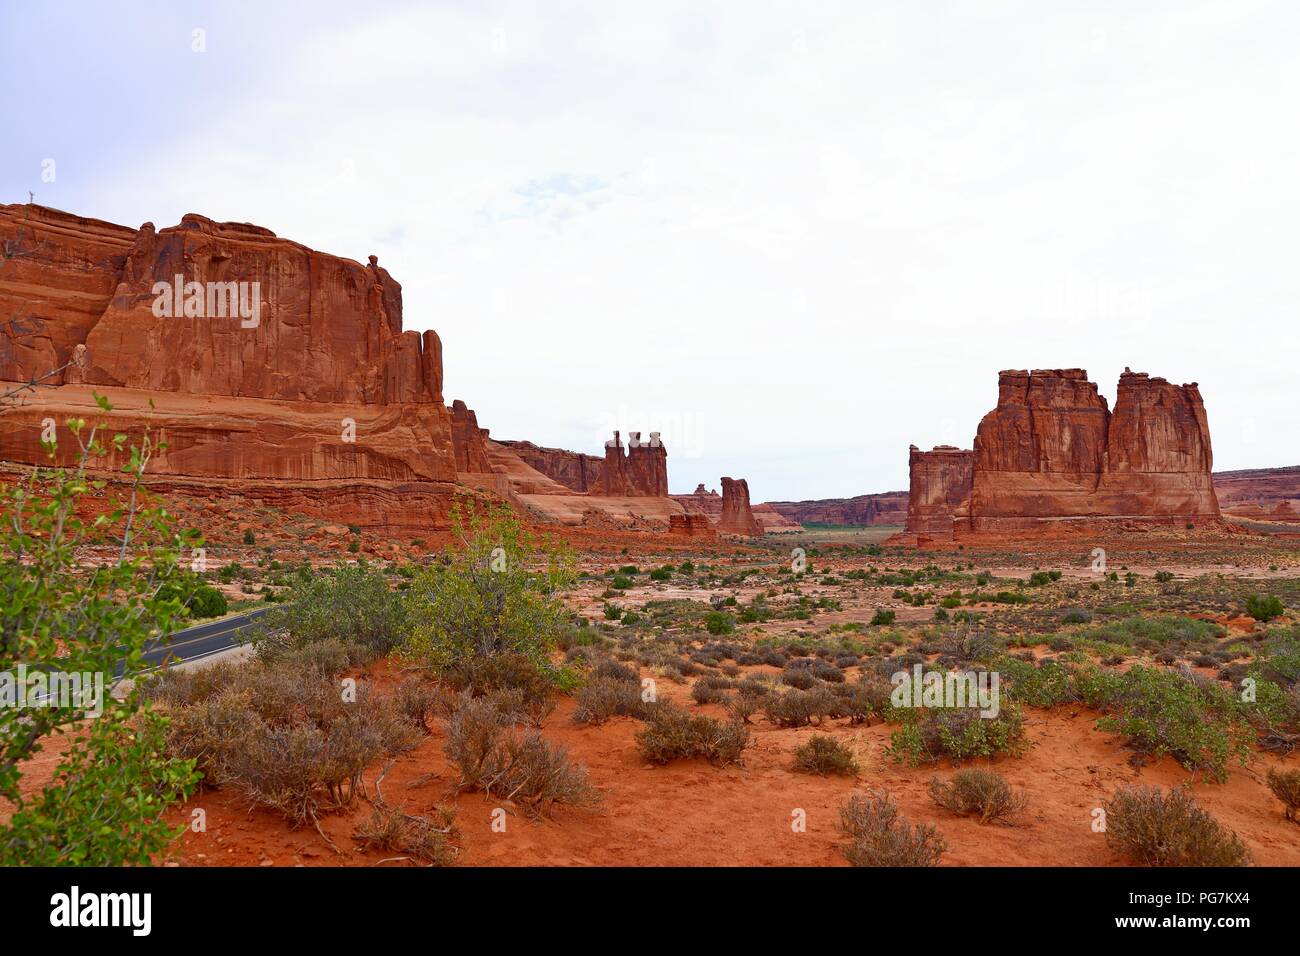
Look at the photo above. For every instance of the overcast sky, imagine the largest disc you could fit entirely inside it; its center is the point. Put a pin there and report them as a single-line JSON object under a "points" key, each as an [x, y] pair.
{"points": [[795, 238]]}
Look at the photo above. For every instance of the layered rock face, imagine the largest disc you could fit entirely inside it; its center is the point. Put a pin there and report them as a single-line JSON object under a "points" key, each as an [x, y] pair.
{"points": [[1264, 493], [574, 470], [1053, 453], [737, 518], [691, 525], [469, 442], [861, 510], [640, 472], [264, 360], [939, 496]]}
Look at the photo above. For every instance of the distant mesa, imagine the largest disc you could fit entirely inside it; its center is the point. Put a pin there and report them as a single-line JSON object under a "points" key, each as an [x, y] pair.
{"points": [[1052, 456]]}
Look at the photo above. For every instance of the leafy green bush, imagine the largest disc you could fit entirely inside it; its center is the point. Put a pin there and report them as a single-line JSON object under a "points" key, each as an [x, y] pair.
{"points": [[351, 604], [1264, 607], [1162, 712], [719, 622], [929, 734], [1154, 633], [207, 601], [883, 618], [1155, 828], [486, 598], [203, 600], [109, 781], [1038, 685], [662, 574]]}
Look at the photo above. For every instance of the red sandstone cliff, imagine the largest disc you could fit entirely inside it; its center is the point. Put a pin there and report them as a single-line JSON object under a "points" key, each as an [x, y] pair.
{"points": [[312, 394], [1053, 452], [641, 471], [939, 497], [737, 518], [574, 470]]}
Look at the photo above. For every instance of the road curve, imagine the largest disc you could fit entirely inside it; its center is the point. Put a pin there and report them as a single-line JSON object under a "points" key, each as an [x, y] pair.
{"points": [[198, 641]]}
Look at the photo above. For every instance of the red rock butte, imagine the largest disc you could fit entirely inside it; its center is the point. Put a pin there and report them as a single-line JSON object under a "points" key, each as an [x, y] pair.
{"points": [[1053, 457]]}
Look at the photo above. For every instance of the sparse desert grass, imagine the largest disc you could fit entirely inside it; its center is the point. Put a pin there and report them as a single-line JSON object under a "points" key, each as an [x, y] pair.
{"points": [[673, 734], [1285, 785], [494, 758], [823, 755], [415, 837], [979, 792], [604, 697], [799, 708], [878, 835], [1166, 828]]}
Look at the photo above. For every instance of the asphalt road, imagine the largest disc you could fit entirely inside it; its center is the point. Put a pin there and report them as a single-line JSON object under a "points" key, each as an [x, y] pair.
{"points": [[201, 640]]}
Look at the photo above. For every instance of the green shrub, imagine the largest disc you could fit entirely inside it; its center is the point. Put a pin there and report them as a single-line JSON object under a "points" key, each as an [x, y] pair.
{"points": [[1155, 828], [878, 835], [80, 792], [207, 601], [1162, 712], [719, 622], [1154, 633], [621, 582], [1038, 685], [249, 537], [662, 574], [883, 618], [823, 755], [352, 604], [929, 734], [488, 596], [1264, 607]]}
